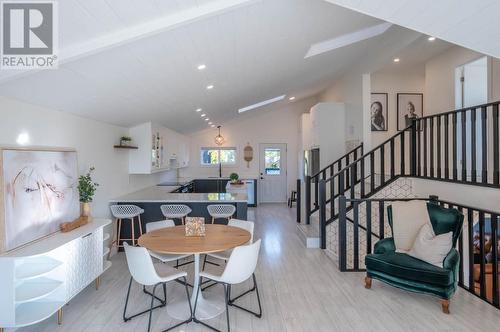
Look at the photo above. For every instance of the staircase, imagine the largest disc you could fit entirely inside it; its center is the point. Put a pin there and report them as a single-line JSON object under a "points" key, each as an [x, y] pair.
{"points": [[309, 231], [460, 146]]}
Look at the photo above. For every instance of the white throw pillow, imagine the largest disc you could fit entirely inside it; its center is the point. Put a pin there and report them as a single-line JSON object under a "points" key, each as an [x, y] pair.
{"points": [[431, 248], [407, 219]]}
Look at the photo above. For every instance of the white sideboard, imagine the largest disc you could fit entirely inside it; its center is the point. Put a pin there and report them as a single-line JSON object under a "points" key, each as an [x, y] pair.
{"points": [[38, 279]]}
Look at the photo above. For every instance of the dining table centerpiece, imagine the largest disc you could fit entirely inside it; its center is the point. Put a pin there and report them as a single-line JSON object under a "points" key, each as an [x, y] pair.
{"points": [[195, 226]]}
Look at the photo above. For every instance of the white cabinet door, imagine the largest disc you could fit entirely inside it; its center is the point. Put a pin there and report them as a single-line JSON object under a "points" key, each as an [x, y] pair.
{"points": [[184, 152], [84, 263]]}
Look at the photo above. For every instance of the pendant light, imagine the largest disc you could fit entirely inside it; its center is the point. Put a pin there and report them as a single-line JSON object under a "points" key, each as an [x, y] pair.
{"points": [[219, 140]]}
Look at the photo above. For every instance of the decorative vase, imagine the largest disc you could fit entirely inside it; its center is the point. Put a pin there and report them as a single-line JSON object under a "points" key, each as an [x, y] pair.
{"points": [[85, 208]]}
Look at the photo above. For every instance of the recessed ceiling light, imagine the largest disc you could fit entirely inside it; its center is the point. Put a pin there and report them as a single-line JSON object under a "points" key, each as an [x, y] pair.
{"points": [[396, 60], [347, 39], [203, 115], [213, 126], [198, 110], [207, 119], [431, 38], [210, 123], [262, 103], [210, 87], [291, 98], [201, 67]]}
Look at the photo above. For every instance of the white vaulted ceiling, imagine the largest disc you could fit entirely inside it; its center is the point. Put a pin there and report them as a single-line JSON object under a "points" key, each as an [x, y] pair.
{"points": [[469, 23], [127, 61]]}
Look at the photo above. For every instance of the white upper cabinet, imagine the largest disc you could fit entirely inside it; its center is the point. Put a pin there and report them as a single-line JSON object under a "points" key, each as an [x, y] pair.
{"points": [[159, 149]]}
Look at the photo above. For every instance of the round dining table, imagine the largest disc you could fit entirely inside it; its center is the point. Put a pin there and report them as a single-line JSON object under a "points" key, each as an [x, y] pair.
{"points": [[173, 240]]}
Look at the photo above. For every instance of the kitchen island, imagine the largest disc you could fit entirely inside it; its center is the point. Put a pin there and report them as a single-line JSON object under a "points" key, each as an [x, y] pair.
{"points": [[150, 199]]}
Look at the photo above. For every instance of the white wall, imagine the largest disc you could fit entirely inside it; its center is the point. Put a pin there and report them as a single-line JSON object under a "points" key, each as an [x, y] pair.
{"points": [[271, 125], [410, 80], [440, 78], [348, 90], [92, 140]]}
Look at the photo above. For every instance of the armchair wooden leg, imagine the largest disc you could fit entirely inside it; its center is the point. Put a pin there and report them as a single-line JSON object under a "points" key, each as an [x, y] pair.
{"points": [[445, 305], [368, 282]]}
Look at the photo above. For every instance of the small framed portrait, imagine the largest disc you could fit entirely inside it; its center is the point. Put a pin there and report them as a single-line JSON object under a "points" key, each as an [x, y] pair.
{"points": [[378, 111], [410, 106]]}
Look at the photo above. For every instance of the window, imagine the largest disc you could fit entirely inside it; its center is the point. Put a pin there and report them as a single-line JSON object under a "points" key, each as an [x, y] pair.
{"points": [[211, 156], [272, 159]]}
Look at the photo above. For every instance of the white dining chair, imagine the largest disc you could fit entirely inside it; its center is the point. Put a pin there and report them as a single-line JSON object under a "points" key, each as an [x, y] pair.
{"points": [[175, 211], [145, 273], [164, 258], [217, 211], [240, 267], [224, 255]]}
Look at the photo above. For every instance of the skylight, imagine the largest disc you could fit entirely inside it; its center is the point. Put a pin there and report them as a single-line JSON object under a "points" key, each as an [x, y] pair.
{"points": [[347, 39], [262, 103]]}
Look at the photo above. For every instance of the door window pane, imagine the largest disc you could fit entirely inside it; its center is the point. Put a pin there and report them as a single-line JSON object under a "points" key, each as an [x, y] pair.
{"points": [[272, 161]]}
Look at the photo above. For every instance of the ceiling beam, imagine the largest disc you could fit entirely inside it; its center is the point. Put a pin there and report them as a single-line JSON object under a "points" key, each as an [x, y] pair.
{"points": [[139, 31]]}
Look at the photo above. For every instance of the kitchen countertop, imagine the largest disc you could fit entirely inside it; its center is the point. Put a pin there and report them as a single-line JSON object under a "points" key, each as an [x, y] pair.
{"points": [[163, 194]]}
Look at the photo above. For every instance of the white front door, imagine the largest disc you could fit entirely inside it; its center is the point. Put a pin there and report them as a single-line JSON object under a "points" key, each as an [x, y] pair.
{"points": [[272, 158]]}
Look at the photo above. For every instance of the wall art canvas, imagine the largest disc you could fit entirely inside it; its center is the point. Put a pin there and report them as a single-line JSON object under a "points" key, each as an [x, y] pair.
{"points": [[39, 189], [410, 106], [378, 111]]}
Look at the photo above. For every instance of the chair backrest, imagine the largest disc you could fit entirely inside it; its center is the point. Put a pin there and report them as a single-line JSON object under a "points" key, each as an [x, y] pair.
{"points": [[175, 210], [153, 226], [443, 220], [221, 210], [125, 211], [141, 265], [241, 263], [244, 224]]}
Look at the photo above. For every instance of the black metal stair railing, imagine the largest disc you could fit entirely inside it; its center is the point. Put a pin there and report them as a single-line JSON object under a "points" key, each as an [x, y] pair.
{"points": [[478, 244], [434, 147], [311, 197]]}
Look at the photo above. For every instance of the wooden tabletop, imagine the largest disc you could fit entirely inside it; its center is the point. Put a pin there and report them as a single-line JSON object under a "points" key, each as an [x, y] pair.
{"points": [[173, 240]]}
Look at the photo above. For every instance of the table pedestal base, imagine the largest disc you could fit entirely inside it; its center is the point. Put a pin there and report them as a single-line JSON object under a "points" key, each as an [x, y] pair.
{"points": [[209, 306]]}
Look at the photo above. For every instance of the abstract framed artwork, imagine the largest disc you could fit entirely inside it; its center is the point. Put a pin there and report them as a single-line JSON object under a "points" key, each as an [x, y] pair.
{"points": [[410, 106], [378, 109], [38, 193]]}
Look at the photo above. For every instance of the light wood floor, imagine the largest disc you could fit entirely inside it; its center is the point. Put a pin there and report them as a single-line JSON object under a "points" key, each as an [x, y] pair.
{"points": [[301, 289]]}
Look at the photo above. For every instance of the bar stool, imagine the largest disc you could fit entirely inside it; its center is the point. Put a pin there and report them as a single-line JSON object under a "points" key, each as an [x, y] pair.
{"points": [[129, 212], [221, 211], [175, 211]]}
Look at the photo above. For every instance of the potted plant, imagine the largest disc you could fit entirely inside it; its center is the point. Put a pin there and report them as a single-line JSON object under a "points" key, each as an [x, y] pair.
{"points": [[86, 188], [125, 140], [234, 177]]}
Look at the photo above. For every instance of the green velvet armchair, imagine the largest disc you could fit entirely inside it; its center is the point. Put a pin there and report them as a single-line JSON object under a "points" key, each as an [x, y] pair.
{"points": [[409, 273]]}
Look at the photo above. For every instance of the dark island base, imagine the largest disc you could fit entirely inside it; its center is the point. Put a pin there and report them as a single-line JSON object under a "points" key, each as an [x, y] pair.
{"points": [[152, 212]]}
